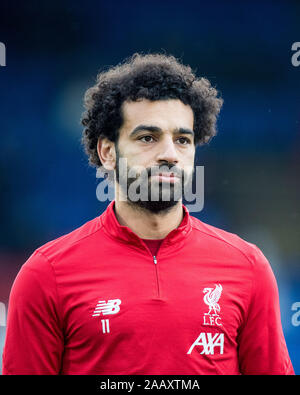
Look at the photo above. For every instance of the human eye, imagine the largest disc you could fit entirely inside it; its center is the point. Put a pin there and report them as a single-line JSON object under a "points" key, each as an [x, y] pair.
{"points": [[146, 139], [184, 140]]}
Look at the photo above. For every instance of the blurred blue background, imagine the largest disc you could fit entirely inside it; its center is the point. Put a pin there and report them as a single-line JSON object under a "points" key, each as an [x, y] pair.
{"points": [[54, 51]]}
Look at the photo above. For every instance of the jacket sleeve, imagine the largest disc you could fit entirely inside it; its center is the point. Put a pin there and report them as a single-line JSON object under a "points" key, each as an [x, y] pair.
{"points": [[34, 336], [262, 347]]}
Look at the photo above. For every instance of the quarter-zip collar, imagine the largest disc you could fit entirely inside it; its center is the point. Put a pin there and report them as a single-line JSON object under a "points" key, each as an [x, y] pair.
{"points": [[124, 234]]}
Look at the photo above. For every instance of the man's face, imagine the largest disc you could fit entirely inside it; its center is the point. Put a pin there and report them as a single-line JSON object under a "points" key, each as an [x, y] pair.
{"points": [[156, 143]]}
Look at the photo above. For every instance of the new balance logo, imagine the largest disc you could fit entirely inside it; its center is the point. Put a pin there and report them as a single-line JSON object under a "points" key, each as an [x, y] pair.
{"points": [[111, 307], [208, 342]]}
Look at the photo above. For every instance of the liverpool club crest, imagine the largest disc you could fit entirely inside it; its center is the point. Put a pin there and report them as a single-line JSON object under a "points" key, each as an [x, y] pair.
{"points": [[211, 299]]}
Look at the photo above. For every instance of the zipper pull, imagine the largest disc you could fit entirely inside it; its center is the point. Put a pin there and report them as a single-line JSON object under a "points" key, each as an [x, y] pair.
{"points": [[154, 259]]}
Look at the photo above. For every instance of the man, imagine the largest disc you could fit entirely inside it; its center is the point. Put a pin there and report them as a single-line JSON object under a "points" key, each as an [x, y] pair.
{"points": [[145, 288]]}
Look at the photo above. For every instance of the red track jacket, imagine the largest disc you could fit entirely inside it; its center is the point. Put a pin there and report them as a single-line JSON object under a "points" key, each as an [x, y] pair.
{"points": [[96, 301]]}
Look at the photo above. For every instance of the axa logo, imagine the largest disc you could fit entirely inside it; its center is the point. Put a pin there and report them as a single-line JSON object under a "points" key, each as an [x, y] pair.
{"points": [[112, 306], [208, 343], [211, 299]]}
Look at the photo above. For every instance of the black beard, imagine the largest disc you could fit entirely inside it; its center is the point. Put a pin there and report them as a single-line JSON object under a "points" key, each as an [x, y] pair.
{"points": [[154, 206]]}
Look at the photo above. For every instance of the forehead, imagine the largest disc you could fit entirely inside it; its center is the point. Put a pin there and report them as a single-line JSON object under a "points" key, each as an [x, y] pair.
{"points": [[166, 114]]}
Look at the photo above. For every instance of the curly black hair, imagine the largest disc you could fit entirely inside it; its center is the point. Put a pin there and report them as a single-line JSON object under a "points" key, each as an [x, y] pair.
{"points": [[152, 77]]}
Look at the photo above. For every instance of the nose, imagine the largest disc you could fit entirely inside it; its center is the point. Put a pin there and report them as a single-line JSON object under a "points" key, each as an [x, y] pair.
{"points": [[167, 151]]}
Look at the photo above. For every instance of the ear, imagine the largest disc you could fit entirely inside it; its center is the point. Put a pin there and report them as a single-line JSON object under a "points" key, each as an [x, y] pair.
{"points": [[107, 153]]}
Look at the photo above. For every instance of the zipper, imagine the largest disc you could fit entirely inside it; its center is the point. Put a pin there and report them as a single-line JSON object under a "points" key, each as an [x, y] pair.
{"points": [[155, 264], [156, 271]]}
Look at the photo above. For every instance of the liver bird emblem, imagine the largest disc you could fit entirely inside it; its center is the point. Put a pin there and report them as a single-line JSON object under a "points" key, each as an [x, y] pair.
{"points": [[211, 298]]}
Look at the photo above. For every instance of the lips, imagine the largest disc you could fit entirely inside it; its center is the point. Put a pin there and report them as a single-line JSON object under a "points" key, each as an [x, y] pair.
{"points": [[165, 173], [165, 176]]}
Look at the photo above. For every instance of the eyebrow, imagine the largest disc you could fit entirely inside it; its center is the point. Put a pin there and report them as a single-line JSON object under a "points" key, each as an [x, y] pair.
{"points": [[156, 129]]}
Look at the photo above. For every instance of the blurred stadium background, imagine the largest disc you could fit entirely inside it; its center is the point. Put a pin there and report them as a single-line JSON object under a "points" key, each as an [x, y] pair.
{"points": [[54, 51]]}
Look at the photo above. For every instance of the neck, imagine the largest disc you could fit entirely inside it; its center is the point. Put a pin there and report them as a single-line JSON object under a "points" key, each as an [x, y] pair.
{"points": [[146, 224]]}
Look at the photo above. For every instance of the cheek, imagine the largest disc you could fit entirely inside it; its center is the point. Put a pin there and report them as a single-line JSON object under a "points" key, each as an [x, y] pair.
{"points": [[130, 154], [134, 165], [188, 158], [189, 166], [138, 157]]}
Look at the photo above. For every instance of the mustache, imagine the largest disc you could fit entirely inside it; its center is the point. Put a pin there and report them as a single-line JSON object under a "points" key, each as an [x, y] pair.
{"points": [[166, 168]]}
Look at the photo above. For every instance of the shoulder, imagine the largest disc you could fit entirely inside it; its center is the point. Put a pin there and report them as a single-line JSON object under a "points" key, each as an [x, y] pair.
{"points": [[50, 252], [245, 257], [221, 239]]}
